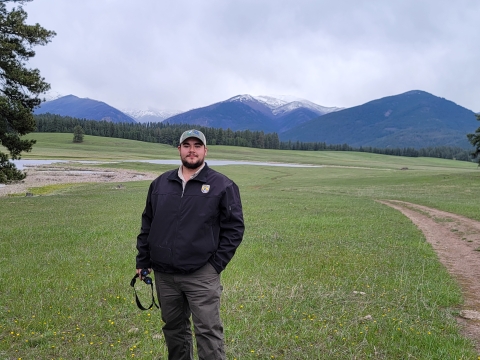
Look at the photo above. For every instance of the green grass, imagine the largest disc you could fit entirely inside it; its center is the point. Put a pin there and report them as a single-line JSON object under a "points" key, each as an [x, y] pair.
{"points": [[60, 146], [48, 189], [324, 271]]}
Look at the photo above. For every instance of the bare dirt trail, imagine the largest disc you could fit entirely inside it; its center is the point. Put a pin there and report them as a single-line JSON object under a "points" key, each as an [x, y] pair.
{"points": [[456, 240]]}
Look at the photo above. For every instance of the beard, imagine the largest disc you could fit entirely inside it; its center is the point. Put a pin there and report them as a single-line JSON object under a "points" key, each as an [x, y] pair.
{"points": [[194, 165]]}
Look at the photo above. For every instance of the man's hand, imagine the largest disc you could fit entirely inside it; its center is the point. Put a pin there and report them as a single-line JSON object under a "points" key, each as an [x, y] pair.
{"points": [[139, 273]]}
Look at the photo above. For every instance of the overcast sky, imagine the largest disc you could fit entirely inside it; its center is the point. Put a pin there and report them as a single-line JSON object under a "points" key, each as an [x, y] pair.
{"points": [[179, 55]]}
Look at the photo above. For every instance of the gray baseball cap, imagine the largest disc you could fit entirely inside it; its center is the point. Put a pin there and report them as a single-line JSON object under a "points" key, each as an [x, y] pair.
{"points": [[193, 133]]}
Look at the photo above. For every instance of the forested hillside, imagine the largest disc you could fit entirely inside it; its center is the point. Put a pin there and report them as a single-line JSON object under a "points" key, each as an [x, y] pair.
{"points": [[169, 134], [412, 119]]}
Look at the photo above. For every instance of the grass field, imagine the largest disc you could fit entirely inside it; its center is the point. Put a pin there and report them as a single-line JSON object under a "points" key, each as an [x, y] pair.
{"points": [[324, 271]]}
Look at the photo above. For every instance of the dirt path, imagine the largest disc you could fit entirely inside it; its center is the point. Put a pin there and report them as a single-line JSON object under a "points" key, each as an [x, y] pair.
{"points": [[456, 239]]}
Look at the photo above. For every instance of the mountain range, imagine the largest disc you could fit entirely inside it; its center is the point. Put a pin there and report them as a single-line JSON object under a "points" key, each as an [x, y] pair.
{"points": [[256, 113], [412, 119]]}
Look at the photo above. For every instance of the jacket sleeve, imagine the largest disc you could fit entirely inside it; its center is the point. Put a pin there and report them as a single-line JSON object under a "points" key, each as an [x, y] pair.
{"points": [[231, 227], [143, 256]]}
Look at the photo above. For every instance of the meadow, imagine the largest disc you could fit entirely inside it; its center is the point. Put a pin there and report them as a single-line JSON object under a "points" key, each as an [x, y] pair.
{"points": [[324, 271]]}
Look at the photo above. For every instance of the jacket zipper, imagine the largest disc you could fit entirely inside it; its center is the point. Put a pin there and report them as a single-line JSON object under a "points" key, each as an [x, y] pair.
{"points": [[180, 206]]}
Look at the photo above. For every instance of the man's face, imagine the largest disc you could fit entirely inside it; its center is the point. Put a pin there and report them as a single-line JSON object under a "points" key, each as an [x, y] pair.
{"points": [[192, 153]]}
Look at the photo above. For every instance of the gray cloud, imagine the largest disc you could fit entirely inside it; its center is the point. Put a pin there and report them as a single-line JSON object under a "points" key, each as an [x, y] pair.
{"points": [[186, 54]]}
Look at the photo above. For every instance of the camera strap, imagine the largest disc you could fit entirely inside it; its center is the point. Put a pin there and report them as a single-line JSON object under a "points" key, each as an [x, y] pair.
{"points": [[137, 300]]}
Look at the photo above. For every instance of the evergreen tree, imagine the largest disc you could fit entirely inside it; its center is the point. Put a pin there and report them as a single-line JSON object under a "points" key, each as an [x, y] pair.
{"points": [[20, 87], [78, 134], [475, 139]]}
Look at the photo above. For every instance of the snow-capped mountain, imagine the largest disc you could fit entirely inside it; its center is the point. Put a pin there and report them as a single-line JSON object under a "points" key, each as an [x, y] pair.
{"points": [[281, 104], [285, 103], [265, 113], [258, 113], [145, 116]]}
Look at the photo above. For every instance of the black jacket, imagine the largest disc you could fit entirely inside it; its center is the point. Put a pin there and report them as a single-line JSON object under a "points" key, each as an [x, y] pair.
{"points": [[182, 232]]}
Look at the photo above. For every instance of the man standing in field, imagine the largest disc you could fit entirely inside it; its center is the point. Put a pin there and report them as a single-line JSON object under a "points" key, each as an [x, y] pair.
{"points": [[191, 227]]}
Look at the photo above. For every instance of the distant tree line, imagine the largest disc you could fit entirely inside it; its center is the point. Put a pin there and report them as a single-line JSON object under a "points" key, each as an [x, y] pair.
{"points": [[169, 134], [442, 152], [155, 132]]}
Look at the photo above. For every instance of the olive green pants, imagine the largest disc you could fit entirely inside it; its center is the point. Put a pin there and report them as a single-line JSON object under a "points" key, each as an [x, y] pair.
{"points": [[195, 295]]}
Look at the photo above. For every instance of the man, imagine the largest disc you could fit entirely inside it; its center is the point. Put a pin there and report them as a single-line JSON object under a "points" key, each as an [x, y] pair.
{"points": [[191, 227]]}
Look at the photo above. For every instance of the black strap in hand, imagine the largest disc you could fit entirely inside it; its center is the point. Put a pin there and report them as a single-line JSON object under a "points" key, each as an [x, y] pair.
{"points": [[140, 306]]}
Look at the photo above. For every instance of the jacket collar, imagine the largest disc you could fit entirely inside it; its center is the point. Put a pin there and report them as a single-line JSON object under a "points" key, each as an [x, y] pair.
{"points": [[202, 175]]}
